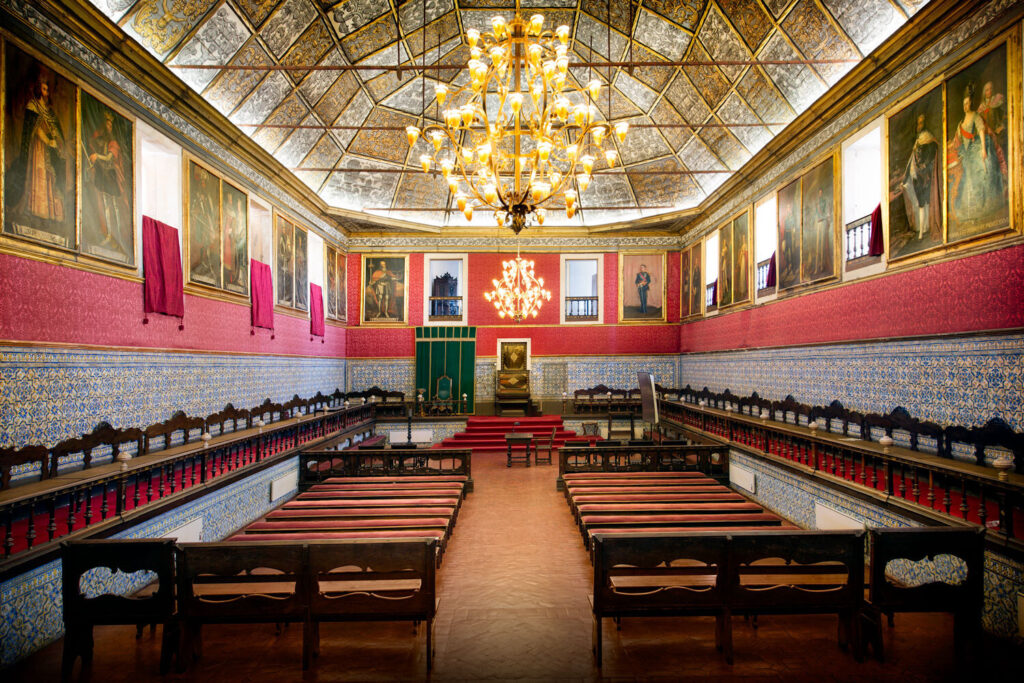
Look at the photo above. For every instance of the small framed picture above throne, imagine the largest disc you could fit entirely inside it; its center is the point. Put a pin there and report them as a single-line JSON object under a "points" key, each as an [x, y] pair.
{"points": [[512, 385], [513, 354]]}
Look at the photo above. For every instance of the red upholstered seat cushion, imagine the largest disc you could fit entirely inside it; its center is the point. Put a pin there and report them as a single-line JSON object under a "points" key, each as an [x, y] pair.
{"points": [[713, 494], [343, 524], [318, 502], [397, 486], [612, 483], [414, 478], [650, 489], [383, 493], [328, 535], [573, 476], [684, 529], [292, 513], [665, 508], [736, 518]]}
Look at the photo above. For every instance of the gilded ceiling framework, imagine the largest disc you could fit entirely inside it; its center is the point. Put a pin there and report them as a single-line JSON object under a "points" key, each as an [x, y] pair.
{"points": [[328, 87]]}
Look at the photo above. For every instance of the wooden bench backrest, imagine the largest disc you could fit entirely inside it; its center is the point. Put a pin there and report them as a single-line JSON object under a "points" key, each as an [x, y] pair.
{"points": [[920, 543], [658, 563], [795, 565], [367, 566], [251, 570], [127, 556]]}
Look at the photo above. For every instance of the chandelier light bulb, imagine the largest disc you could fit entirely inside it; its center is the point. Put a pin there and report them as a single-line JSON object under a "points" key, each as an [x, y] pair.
{"points": [[412, 133], [583, 180], [534, 53], [490, 193], [536, 92], [563, 33], [579, 114], [563, 64], [562, 107], [453, 184], [497, 55], [548, 68], [498, 23], [467, 211], [440, 92], [436, 137], [599, 134], [539, 190], [556, 178], [621, 129], [570, 200], [558, 81], [541, 215], [516, 102], [595, 88], [588, 163], [483, 152], [473, 36], [543, 150], [446, 167], [468, 114], [467, 155], [610, 156], [460, 201], [537, 23]]}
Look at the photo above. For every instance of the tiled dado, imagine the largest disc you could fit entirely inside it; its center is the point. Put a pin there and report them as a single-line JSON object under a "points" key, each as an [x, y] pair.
{"points": [[48, 394], [549, 375], [950, 380], [794, 497], [31, 613]]}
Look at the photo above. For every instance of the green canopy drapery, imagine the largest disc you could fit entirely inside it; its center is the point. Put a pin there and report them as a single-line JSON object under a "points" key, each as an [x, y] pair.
{"points": [[447, 351]]}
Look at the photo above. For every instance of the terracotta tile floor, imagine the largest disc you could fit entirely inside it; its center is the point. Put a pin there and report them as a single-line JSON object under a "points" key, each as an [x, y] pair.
{"points": [[513, 605]]}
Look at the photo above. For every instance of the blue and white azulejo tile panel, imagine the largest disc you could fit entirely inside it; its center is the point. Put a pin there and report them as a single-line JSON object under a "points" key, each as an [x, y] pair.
{"points": [[950, 380], [47, 395]]}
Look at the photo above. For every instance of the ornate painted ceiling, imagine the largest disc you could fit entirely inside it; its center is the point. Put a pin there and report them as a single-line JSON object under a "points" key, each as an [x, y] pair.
{"points": [[341, 130]]}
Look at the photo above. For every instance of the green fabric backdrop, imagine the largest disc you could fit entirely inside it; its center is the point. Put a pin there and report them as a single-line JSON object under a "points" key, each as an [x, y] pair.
{"points": [[446, 351]]}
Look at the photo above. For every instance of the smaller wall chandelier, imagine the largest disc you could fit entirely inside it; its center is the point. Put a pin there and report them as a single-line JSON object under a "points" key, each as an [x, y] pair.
{"points": [[519, 294], [521, 133]]}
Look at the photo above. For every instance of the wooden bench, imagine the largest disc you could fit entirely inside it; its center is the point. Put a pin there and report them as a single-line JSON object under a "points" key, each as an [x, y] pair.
{"points": [[887, 594], [721, 574], [389, 580], [241, 583]]}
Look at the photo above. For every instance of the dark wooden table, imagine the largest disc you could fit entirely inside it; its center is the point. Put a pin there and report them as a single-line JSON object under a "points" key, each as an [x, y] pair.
{"points": [[515, 441]]}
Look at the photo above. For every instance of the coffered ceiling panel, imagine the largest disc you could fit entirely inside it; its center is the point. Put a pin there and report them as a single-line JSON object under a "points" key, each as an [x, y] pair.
{"points": [[703, 88]]}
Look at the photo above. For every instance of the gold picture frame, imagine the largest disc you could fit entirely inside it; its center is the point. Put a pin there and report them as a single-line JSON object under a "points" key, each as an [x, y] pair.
{"points": [[638, 304]]}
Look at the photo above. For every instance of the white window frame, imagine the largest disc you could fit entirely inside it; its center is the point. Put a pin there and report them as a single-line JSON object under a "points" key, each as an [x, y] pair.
{"points": [[563, 287], [463, 289], [770, 197], [875, 268]]}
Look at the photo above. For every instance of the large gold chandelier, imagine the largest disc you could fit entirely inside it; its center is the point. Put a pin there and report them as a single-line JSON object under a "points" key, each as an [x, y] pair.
{"points": [[521, 133]]}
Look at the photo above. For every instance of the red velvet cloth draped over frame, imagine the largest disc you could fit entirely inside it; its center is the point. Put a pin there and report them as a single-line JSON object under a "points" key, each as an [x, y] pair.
{"points": [[262, 288], [161, 265], [876, 245], [316, 310]]}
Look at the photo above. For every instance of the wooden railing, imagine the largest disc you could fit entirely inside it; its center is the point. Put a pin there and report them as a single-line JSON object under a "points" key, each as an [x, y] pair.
{"points": [[34, 516], [579, 308], [318, 464], [711, 459], [919, 483]]}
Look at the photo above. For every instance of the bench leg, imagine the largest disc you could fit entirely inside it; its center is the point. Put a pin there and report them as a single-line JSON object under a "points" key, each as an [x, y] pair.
{"points": [[597, 640], [77, 643], [307, 643], [430, 643], [170, 645], [871, 633], [726, 635]]}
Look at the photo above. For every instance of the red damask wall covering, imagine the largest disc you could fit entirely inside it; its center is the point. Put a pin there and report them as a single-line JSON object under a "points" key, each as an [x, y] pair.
{"points": [[982, 292]]}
